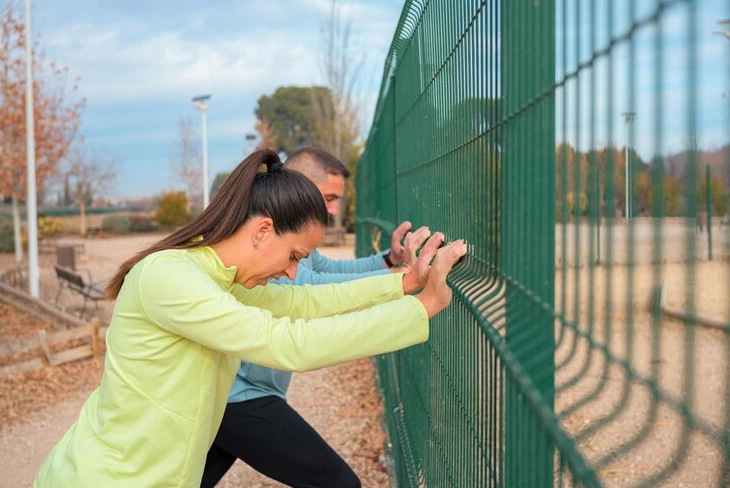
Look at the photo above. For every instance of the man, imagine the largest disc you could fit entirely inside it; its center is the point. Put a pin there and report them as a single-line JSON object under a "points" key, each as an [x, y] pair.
{"points": [[259, 426]]}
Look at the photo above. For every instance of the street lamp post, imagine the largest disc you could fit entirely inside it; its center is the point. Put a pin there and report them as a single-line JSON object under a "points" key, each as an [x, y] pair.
{"points": [[723, 33], [250, 139], [200, 103], [628, 118], [33, 272]]}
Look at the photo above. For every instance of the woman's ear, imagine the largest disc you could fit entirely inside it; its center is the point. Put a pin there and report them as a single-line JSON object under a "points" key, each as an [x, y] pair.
{"points": [[263, 229]]}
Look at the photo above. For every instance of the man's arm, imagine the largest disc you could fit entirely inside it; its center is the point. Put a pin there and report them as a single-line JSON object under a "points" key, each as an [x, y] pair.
{"points": [[306, 276], [322, 264]]}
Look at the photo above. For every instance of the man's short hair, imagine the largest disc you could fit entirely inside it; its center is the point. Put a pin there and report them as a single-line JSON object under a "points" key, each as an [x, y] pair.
{"points": [[316, 164]]}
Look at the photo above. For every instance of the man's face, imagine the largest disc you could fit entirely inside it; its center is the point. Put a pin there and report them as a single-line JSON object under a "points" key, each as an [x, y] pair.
{"points": [[333, 189]]}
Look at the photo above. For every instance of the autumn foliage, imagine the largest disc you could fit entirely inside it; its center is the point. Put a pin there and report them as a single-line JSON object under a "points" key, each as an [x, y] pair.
{"points": [[56, 110]]}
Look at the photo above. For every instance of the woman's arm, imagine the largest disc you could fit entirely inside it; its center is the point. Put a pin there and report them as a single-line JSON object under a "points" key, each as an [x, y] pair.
{"points": [[310, 301], [184, 300]]}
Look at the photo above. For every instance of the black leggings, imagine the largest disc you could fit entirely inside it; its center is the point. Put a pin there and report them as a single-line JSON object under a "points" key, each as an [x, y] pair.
{"points": [[271, 437]]}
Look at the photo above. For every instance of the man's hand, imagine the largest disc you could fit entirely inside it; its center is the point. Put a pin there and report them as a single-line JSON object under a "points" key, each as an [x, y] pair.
{"points": [[412, 243], [397, 249]]}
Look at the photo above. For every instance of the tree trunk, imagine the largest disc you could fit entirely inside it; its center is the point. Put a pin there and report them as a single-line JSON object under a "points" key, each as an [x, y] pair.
{"points": [[82, 216], [17, 231]]}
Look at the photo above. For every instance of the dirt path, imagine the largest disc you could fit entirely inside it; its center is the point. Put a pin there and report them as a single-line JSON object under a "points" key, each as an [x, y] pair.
{"points": [[24, 447], [339, 402]]}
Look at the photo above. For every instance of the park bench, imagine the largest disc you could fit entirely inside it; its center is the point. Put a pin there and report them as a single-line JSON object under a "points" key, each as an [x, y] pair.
{"points": [[74, 281]]}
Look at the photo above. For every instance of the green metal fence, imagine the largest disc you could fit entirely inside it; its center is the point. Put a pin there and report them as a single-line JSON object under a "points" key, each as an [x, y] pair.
{"points": [[581, 149]]}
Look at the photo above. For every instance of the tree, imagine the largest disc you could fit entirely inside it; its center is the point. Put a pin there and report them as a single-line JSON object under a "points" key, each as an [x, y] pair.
{"points": [[476, 116], [338, 111], [55, 110], [172, 210], [287, 117], [643, 192], [88, 173], [672, 196], [185, 159], [217, 182], [664, 199], [267, 139]]}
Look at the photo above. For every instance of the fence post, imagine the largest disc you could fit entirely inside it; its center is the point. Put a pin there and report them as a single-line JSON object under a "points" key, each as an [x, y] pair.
{"points": [[43, 341], [528, 230]]}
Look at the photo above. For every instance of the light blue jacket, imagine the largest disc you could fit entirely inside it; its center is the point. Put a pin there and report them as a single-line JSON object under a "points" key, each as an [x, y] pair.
{"points": [[254, 381]]}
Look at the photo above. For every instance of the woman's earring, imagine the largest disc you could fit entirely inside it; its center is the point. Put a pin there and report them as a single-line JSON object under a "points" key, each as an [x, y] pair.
{"points": [[255, 246]]}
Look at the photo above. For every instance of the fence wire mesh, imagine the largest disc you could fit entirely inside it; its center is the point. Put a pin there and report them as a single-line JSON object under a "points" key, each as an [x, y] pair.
{"points": [[581, 147]]}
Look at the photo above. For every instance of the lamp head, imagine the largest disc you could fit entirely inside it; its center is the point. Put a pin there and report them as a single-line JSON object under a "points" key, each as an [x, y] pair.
{"points": [[200, 102]]}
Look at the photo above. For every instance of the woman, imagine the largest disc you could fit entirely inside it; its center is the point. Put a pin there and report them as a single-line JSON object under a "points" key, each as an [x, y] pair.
{"points": [[190, 307]]}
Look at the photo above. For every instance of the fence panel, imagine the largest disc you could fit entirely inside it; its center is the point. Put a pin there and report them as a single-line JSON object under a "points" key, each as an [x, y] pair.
{"points": [[581, 147]]}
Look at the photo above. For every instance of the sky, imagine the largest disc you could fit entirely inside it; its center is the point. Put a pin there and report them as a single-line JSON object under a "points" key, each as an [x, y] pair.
{"points": [[141, 62], [654, 82]]}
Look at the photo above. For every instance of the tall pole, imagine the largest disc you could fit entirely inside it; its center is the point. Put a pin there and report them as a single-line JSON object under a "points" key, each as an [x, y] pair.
{"points": [[200, 103], [628, 118], [33, 274], [206, 186]]}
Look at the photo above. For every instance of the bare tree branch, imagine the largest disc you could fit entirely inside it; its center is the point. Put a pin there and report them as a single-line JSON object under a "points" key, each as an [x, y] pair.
{"points": [[89, 173], [185, 161]]}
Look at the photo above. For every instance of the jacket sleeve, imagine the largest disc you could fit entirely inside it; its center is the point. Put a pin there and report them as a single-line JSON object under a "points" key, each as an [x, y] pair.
{"points": [[184, 300], [323, 264], [306, 276], [314, 301]]}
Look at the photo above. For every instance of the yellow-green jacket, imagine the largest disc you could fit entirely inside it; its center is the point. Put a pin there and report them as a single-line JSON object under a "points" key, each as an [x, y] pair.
{"points": [[177, 336]]}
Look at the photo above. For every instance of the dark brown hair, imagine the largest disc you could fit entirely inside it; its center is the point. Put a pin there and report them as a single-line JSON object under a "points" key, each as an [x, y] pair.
{"points": [[312, 158], [288, 198]]}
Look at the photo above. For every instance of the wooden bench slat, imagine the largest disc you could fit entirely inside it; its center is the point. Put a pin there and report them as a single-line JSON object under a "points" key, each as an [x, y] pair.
{"points": [[71, 334], [69, 355]]}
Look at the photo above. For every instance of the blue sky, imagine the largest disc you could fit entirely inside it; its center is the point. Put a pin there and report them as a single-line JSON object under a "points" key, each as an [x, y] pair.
{"points": [[654, 83], [141, 62]]}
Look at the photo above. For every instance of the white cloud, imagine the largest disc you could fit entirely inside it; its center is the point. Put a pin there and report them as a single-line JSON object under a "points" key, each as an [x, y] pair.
{"points": [[163, 65], [129, 60]]}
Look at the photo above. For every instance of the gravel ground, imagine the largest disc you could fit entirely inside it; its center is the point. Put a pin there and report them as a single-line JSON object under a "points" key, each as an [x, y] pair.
{"points": [[681, 358], [38, 407]]}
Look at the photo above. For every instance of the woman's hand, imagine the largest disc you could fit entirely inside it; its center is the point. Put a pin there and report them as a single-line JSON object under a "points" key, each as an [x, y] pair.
{"points": [[436, 296], [417, 276]]}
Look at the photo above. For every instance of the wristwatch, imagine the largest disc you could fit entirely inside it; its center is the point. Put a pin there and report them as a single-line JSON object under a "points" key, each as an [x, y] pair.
{"points": [[386, 258]]}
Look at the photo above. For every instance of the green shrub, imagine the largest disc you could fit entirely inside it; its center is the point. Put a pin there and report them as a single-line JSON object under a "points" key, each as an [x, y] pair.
{"points": [[116, 224], [49, 227], [172, 211], [142, 223], [7, 241]]}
